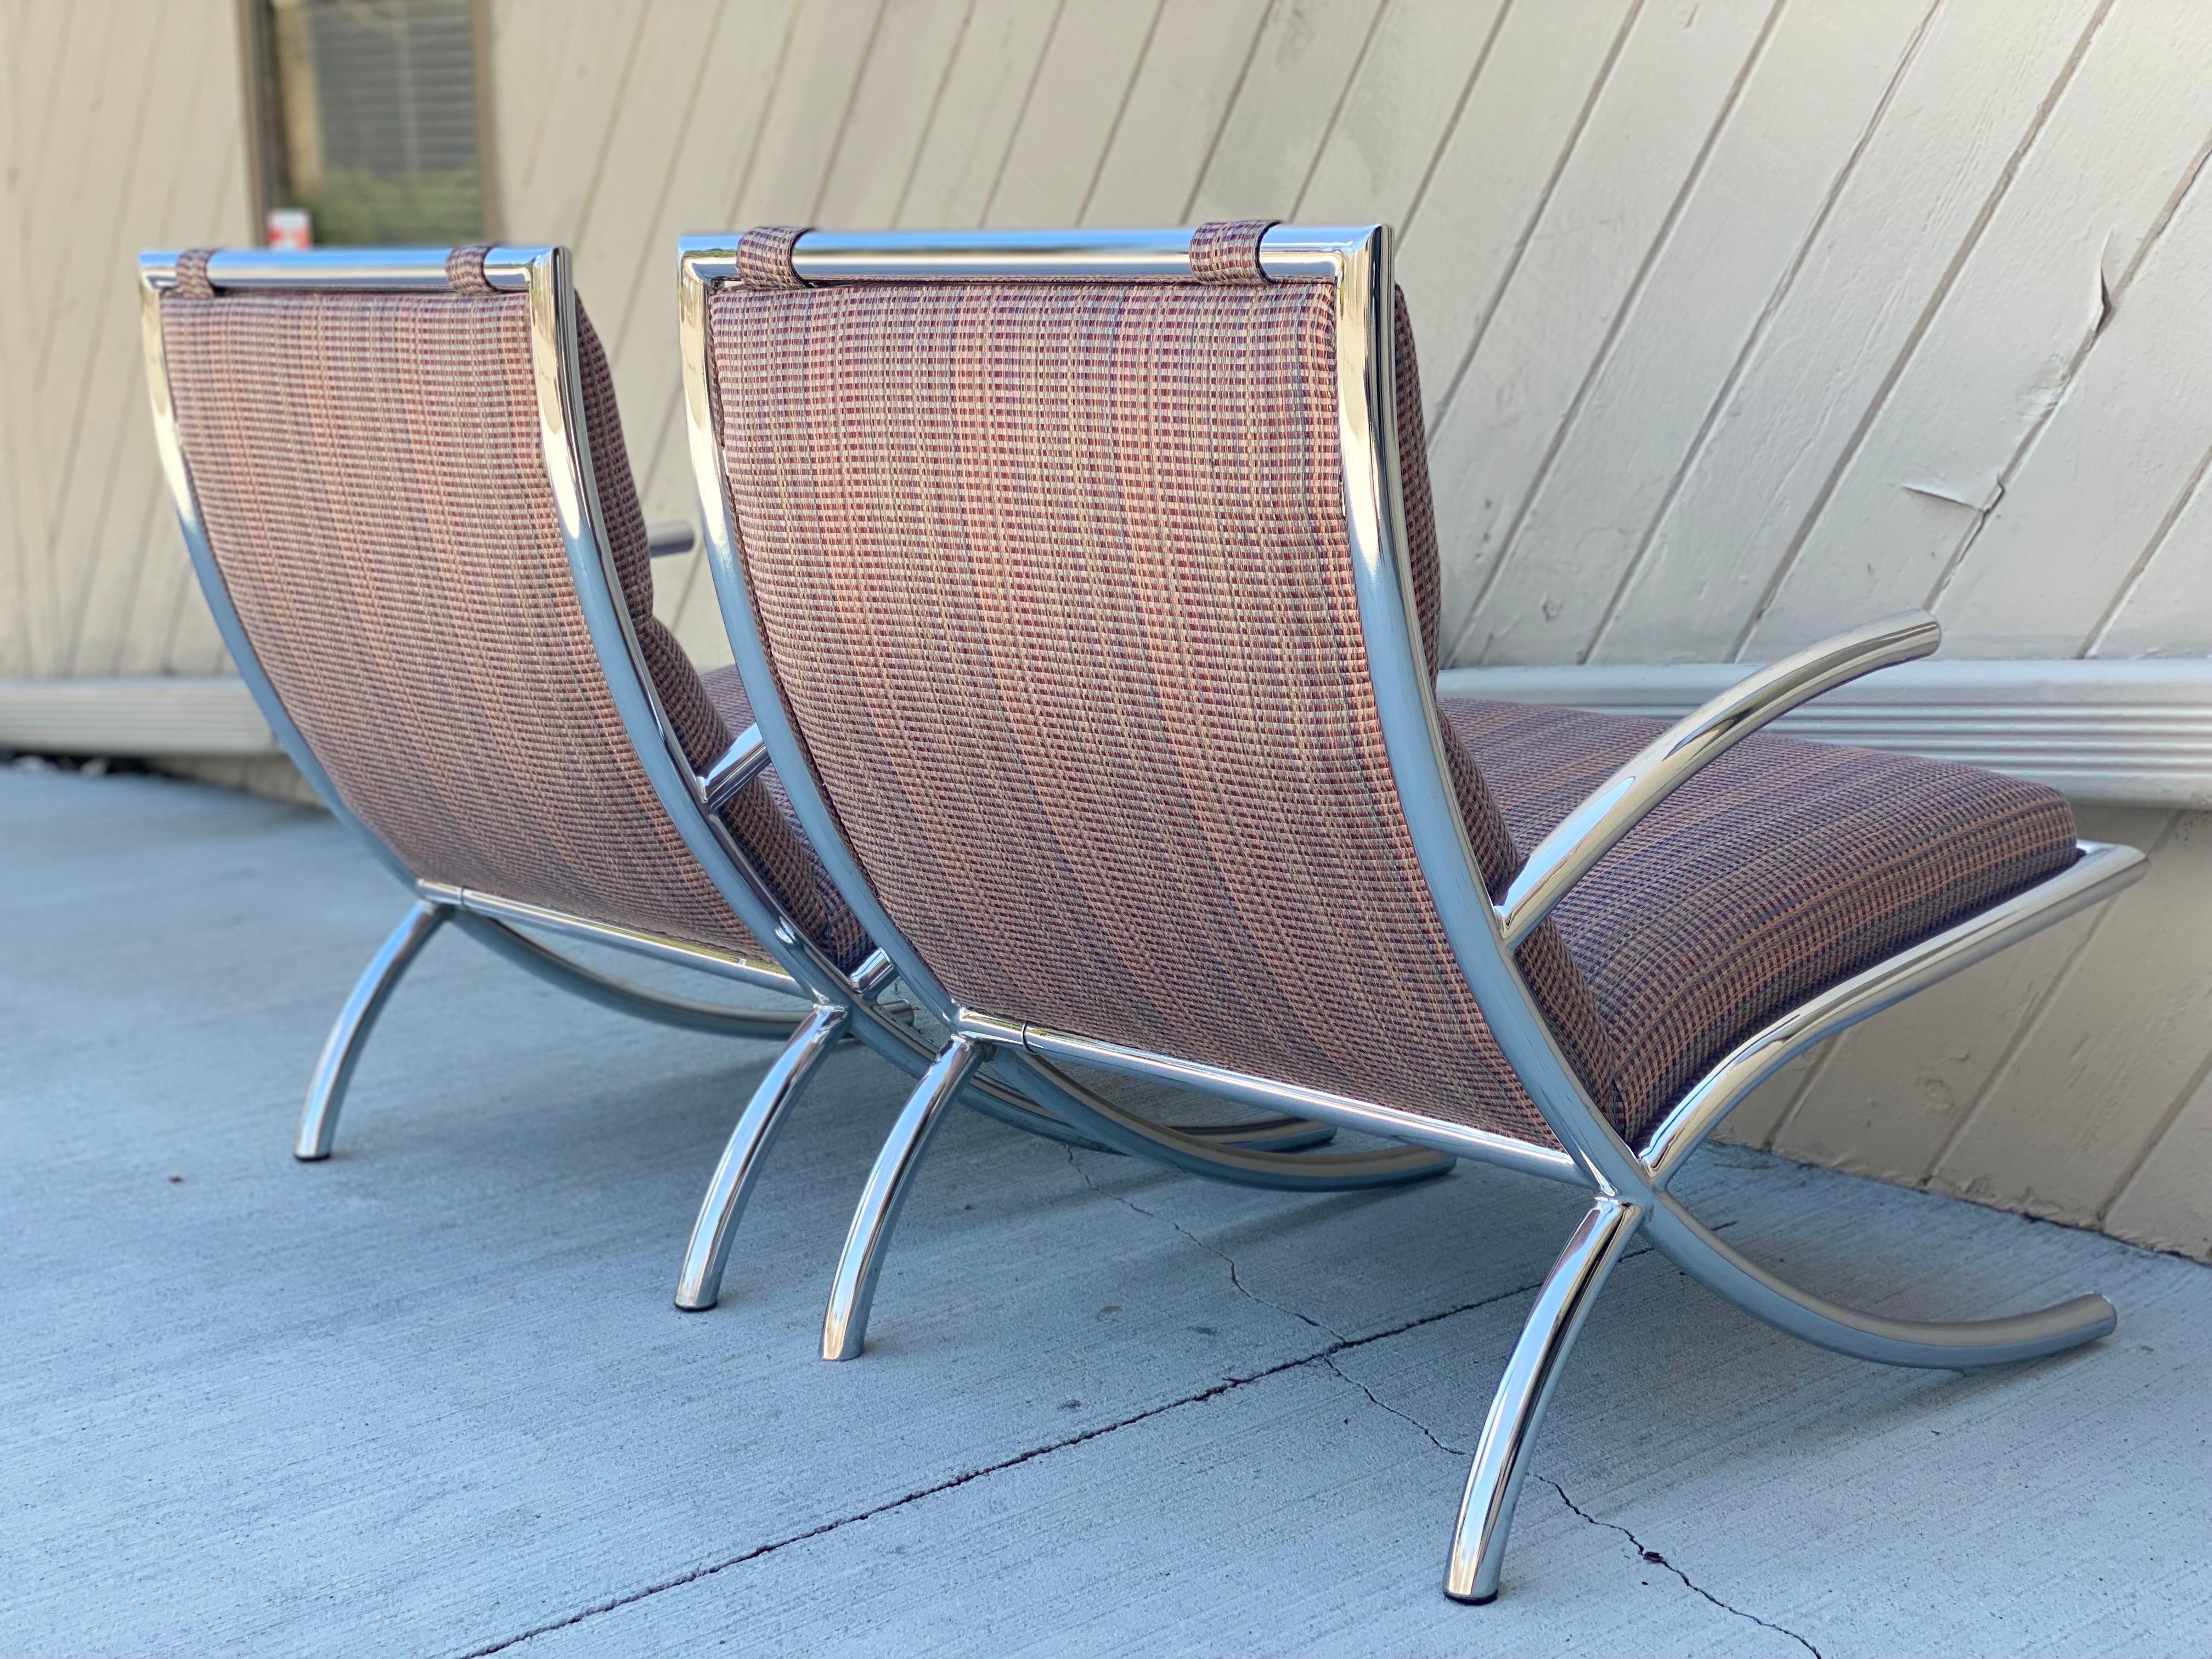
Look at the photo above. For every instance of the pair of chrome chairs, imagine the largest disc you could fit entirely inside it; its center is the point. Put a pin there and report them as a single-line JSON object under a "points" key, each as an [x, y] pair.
{"points": [[1083, 589]]}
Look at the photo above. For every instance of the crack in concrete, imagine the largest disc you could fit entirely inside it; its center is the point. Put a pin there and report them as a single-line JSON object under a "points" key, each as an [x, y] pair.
{"points": [[1227, 1385], [1235, 1280], [1375, 1398], [1326, 1357], [1659, 1560]]}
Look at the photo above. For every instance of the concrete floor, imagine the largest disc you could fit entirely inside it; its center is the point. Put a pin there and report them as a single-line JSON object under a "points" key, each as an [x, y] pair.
{"points": [[431, 1397]]}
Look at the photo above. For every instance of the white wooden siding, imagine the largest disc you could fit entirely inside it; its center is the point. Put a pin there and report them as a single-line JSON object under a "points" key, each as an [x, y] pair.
{"points": [[1740, 320]]}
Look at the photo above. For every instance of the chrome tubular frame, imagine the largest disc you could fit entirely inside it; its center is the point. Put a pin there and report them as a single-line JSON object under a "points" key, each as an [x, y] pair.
{"points": [[691, 800], [1237, 1154], [1627, 1183], [700, 1284], [1586, 834], [401, 269], [1252, 1153], [319, 1123], [799, 970]]}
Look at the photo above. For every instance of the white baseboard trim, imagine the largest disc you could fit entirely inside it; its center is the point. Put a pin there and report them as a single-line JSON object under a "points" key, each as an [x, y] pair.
{"points": [[2136, 733], [2124, 732], [151, 716]]}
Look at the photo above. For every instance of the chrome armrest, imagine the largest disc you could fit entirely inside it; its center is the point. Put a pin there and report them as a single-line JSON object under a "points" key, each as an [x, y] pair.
{"points": [[745, 759], [667, 539], [1669, 761]]}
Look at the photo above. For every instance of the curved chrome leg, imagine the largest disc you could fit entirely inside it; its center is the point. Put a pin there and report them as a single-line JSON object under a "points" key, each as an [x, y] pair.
{"points": [[1493, 1483], [1215, 1156], [1281, 1133], [700, 1285], [845, 1327], [718, 1020], [1273, 1132], [1943, 1346], [319, 1123]]}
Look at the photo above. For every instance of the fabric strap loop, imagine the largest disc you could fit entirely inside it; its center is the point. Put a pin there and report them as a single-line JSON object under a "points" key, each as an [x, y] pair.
{"points": [[192, 273], [1228, 251], [464, 269], [764, 256]]}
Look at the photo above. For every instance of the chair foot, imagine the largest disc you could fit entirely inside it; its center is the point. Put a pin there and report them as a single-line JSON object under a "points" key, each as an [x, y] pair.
{"points": [[700, 1284], [318, 1122], [1954, 1345], [1493, 1483], [845, 1327]]}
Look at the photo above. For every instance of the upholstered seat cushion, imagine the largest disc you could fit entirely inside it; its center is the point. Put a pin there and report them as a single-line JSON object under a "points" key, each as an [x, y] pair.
{"points": [[1782, 868]]}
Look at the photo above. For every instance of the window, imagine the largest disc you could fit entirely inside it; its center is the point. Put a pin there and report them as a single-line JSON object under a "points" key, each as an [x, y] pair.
{"points": [[369, 121]]}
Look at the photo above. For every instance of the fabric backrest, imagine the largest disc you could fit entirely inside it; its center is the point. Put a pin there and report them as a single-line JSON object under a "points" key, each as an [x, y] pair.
{"points": [[1056, 583], [368, 469]]}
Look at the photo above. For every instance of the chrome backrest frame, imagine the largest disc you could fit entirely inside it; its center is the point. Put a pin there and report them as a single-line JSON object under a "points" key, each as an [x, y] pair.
{"points": [[1357, 261], [544, 273]]}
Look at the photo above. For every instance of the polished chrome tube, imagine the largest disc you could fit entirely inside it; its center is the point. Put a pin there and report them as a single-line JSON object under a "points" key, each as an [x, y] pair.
{"points": [[1493, 1481], [2100, 872], [1220, 1154], [360, 269], [845, 1326], [671, 537], [745, 759], [1405, 701], [725, 964], [623, 996], [1287, 253], [1457, 1139], [318, 1121], [700, 1284], [1936, 1346], [1586, 834]]}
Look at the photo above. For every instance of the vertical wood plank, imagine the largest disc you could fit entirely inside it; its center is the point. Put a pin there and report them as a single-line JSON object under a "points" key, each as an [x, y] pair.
{"points": [[2168, 610], [985, 93], [702, 169], [2167, 1204], [1419, 69], [81, 133], [1968, 104], [1510, 392], [2001, 351], [1072, 109], [1190, 77], [612, 235], [101, 493], [1301, 67], [810, 103], [2063, 1123], [1496, 173], [1785, 151], [898, 99], [2121, 453]]}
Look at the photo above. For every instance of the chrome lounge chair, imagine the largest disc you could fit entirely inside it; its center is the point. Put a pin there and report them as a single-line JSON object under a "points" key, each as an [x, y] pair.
{"points": [[401, 476], [1084, 588]]}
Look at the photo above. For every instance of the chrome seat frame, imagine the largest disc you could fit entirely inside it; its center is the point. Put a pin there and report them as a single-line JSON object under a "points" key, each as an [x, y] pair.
{"points": [[1628, 1184], [836, 1003]]}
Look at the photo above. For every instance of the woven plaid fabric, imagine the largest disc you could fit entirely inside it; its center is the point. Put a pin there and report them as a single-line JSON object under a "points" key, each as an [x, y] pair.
{"points": [[764, 256], [1780, 869], [759, 815], [808, 894], [1228, 251], [369, 472], [1055, 581]]}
